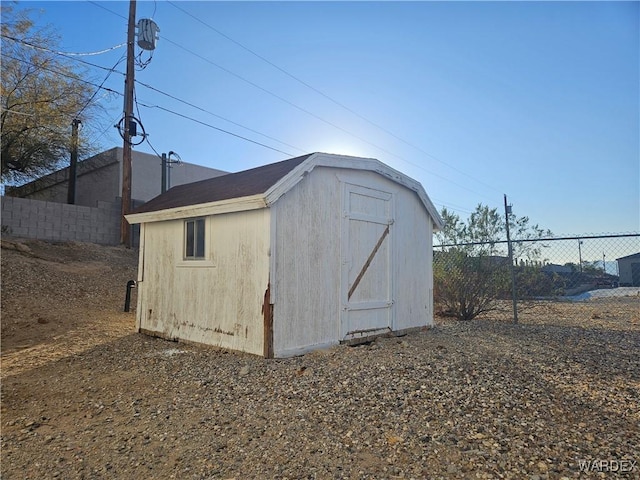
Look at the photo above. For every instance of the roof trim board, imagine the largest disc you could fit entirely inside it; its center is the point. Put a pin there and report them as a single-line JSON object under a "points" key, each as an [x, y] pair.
{"points": [[240, 204]]}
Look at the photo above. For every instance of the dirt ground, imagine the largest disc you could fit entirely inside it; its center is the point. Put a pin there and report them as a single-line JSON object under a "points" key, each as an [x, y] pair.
{"points": [[60, 299], [83, 396]]}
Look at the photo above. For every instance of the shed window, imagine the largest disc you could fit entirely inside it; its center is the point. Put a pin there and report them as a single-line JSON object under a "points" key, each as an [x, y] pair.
{"points": [[194, 238]]}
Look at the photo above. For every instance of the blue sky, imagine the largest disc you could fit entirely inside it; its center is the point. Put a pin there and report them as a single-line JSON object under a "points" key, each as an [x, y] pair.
{"points": [[538, 100]]}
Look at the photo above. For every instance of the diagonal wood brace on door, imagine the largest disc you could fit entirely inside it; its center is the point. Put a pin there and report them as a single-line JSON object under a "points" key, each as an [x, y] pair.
{"points": [[368, 262]]}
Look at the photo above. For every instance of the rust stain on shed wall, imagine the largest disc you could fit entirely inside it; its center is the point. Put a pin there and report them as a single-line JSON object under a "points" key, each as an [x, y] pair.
{"points": [[267, 312]]}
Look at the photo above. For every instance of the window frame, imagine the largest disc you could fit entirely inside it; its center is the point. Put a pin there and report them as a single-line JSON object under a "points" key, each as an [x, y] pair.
{"points": [[197, 246]]}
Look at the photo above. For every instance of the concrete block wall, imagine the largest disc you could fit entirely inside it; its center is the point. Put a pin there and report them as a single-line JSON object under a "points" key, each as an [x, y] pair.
{"points": [[23, 217]]}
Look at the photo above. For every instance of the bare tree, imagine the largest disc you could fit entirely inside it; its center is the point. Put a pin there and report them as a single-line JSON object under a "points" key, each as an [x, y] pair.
{"points": [[42, 92]]}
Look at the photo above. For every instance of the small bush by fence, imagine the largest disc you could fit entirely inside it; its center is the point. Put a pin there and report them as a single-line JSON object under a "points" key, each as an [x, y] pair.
{"points": [[479, 280]]}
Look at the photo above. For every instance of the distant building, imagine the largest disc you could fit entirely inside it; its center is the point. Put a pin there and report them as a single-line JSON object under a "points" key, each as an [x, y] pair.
{"points": [[553, 268], [100, 179], [629, 270]]}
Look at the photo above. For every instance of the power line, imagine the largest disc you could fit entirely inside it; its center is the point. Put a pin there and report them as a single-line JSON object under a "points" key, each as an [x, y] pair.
{"points": [[321, 119], [311, 113], [155, 106], [113, 70], [152, 148], [275, 95], [331, 99], [214, 127], [89, 54], [216, 115], [98, 137], [107, 9], [308, 112], [303, 110], [66, 54], [99, 87], [48, 50], [452, 206], [64, 74]]}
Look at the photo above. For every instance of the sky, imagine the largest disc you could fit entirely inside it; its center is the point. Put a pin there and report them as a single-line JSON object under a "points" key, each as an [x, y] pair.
{"points": [[536, 100]]}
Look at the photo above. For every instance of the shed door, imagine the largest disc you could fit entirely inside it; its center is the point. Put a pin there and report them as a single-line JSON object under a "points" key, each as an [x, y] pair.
{"points": [[366, 283]]}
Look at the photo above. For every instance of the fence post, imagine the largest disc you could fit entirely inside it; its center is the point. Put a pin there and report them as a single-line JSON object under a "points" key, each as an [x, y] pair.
{"points": [[507, 211]]}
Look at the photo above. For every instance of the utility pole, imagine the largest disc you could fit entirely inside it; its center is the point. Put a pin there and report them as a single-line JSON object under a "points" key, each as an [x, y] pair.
{"points": [[507, 211], [73, 166], [125, 229]]}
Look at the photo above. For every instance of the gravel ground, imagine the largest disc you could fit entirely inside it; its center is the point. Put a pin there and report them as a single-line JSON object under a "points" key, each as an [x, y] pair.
{"points": [[479, 399]]}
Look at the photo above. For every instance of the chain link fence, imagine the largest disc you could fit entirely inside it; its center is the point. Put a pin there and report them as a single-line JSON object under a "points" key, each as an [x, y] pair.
{"points": [[481, 280]]}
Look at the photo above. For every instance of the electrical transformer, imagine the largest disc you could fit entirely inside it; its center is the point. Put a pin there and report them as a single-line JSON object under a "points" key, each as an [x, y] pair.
{"points": [[147, 34]]}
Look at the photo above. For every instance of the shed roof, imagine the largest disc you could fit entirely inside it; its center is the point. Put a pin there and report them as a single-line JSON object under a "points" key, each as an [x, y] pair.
{"points": [[232, 185], [260, 187]]}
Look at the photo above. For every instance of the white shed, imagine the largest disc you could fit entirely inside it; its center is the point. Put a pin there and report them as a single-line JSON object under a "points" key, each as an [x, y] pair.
{"points": [[289, 257]]}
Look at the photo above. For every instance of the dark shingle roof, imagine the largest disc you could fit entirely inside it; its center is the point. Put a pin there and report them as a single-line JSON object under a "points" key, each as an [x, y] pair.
{"points": [[629, 257], [233, 185]]}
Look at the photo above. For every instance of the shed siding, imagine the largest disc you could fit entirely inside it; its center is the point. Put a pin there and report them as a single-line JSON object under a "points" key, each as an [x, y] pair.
{"points": [[306, 296], [217, 301], [307, 259], [412, 263]]}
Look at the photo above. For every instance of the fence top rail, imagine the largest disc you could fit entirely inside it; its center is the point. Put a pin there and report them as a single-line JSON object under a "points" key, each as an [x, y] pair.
{"points": [[549, 239]]}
